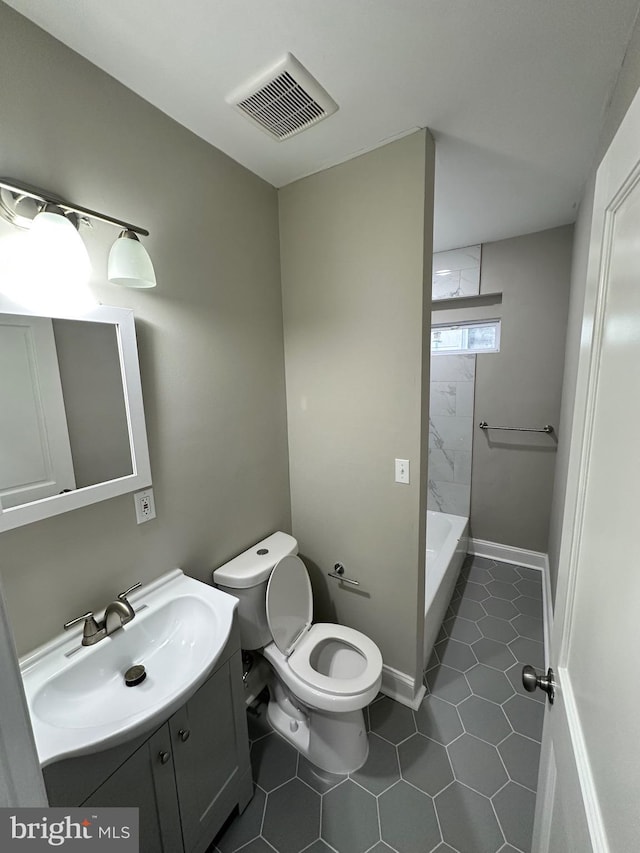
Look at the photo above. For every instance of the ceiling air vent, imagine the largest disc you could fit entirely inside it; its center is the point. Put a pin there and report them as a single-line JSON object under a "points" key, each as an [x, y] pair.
{"points": [[283, 100]]}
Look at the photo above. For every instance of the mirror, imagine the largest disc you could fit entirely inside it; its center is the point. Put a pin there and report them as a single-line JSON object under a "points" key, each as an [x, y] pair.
{"points": [[72, 428]]}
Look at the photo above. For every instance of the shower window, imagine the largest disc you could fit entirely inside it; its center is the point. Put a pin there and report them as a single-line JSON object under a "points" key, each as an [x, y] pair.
{"points": [[466, 338]]}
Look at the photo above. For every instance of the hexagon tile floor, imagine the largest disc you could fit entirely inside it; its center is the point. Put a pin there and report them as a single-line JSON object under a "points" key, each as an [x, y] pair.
{"points": [[459, 774]]}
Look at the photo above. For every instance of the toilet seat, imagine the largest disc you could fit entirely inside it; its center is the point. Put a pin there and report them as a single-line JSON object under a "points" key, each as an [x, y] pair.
{"points": [[300, 660]]}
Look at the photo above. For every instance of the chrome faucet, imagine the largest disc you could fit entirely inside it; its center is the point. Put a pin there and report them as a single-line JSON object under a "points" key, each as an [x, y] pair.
{"points": [[116, 614]]}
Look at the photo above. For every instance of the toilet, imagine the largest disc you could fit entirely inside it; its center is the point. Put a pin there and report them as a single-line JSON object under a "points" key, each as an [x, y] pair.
{"points": [[320, 676]]}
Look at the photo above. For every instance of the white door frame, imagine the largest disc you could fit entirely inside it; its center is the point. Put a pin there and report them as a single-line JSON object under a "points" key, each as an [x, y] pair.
{"points": [[614, 171]]}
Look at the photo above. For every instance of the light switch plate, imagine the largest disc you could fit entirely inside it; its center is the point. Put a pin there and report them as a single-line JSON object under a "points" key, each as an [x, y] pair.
{"points": [[145, 506], [402, 470]]}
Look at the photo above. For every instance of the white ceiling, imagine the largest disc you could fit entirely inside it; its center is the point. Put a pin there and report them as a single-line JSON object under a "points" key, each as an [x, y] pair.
{"points": [[514, 91]]}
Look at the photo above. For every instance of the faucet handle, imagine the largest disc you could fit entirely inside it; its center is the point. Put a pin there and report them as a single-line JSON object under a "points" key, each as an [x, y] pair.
{"points": [[91, 628], [123, 595]]}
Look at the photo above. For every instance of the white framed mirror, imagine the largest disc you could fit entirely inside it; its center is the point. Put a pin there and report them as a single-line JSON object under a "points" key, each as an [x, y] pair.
{"points": [[72, 426]]}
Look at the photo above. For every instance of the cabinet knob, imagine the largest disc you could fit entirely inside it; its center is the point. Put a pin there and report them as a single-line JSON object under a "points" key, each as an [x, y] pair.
{"points": [[184, 734], [164, 757]]}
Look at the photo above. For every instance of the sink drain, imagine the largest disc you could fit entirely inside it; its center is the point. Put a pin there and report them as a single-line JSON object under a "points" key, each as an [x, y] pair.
{"points": [[135, 675]]}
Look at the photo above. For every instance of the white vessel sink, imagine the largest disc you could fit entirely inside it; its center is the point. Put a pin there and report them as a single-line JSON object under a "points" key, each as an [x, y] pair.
{"points": [[77, 696]]}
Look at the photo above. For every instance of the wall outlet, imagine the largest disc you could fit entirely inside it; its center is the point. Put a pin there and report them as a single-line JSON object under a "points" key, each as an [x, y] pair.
{"points": [[145, 506], [402, 470]]}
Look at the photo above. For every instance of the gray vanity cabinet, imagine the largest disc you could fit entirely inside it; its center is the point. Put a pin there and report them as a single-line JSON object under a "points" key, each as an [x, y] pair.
{"points": [[186, 778], [147, 782]]}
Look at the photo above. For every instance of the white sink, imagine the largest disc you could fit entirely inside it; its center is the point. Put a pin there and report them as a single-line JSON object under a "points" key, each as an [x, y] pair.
{"points": [[78, 700]]}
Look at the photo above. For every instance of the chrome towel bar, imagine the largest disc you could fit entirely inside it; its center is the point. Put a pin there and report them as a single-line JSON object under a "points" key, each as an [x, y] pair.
{"points": [[546, 428]]}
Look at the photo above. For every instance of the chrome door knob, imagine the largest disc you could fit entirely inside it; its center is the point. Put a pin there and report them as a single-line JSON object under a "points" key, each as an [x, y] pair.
{"points": [[531, 680]]}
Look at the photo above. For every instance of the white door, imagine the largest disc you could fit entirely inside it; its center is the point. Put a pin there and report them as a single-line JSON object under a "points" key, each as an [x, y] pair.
{"points": [[589, 790], [35, 454]]}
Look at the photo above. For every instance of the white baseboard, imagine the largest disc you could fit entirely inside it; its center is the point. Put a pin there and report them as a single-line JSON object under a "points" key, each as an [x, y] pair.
{"points": [[508, 554], [401, 687]]}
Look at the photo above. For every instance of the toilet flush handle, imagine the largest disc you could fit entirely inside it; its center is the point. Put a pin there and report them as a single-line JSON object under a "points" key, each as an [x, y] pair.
{"points": [[338, 574]]}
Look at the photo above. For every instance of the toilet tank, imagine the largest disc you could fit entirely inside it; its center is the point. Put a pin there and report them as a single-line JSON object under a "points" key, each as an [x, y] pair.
{"points": [[246, 578]]}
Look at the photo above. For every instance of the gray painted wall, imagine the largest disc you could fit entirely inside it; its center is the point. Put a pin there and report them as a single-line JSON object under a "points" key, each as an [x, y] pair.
{"points": [[512, 478], [210, 335], [356, 277], [623, 93]]}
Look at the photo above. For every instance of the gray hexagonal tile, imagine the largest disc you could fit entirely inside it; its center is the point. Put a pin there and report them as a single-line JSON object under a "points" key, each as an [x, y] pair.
{"points": [[484, 719], [448, 684], [425, 764], [493, 653], [259, 845], [444, 848], [505, 572], [528, 626], [244, 827], [408, 819], [489, 683], [479, 574], [434, 660], [521, 757], [391, 720], [380, 847], [273, 761], [525, 716], [468, 608], [497, 629], [503, 590], [461, 629], [477, 764], [438, 720], [482, 562], [515, 807], [318, 847], [474, 591], [349, 818], [468, 821], [501, 608], [528, 651], [320, 780], [529, 606], [381, 769], [292, 817], [455, 654], [532, 589], [528, 574]]}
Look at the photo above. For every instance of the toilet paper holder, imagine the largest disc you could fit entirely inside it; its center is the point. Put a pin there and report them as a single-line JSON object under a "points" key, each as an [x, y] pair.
{"points": [[338, 574]]}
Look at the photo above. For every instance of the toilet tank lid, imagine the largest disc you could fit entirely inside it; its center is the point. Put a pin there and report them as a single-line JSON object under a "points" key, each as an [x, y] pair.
{"points": [[254, 565]]}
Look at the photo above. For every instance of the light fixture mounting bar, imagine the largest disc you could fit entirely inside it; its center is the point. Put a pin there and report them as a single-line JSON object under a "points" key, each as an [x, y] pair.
{"points": [[46, 197]]}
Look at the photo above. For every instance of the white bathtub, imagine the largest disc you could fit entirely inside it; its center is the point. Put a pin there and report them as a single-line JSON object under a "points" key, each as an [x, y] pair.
{"points": [[447, 540]]}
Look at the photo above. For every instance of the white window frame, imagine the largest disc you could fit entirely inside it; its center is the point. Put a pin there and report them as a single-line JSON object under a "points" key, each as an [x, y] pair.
{"points": [[496, 324]]}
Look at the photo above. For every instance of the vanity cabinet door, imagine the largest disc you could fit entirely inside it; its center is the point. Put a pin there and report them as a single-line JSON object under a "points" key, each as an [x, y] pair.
{"points": [[204, 743], [147, 781]]}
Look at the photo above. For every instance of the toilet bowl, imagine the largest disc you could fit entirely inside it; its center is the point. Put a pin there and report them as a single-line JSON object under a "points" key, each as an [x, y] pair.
{"points": [[321, 675]]}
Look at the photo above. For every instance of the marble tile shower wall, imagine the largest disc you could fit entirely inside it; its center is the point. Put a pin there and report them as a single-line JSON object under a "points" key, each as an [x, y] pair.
{"points": [[450, 432], [455, 273]]}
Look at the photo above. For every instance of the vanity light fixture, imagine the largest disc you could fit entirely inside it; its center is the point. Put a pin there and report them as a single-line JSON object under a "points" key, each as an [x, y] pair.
{"points": [[54, 220]]}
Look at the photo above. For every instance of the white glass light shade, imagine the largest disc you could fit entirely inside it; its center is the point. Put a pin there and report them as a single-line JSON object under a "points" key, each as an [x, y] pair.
{"points": [[129, 263], [58, 249], [48, 266]]}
